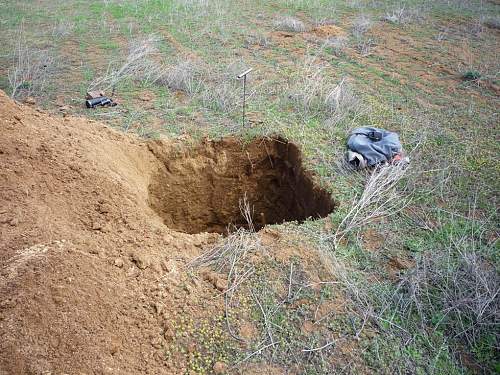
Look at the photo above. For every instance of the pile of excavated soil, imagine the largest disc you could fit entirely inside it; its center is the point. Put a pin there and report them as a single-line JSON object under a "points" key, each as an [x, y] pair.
{"points": [[91, 275]]}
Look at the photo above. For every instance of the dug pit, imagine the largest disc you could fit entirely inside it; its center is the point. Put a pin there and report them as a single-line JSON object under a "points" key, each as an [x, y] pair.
{"points": [[200, 189]]}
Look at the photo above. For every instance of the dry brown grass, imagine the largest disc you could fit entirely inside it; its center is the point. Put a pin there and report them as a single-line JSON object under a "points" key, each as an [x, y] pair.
{"points": [[289, 24], [31, 69], [137, 64]]}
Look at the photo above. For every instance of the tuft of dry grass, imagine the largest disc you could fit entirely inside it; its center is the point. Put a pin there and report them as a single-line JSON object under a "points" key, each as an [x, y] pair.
{"points": [[62, 29], [385, 193], [289, 24], [336, 44], [223, 91], [361, 25], [314, 92], [136, 65], [341, 100], [31, 69], [492, 22], [184, 76], [403, 15]]}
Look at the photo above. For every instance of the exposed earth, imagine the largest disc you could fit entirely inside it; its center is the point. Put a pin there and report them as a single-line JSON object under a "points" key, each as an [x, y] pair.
{"points": [[91, 278]]}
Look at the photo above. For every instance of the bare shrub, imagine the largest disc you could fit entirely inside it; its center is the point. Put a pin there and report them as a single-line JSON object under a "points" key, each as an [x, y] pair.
{"points": [[62, 29], [185, 76], [31, 69], [315, 92], [459, 286], [455, 288], [364, 46], [337, 44], [289, 24], [361, 25], [492, 22], [403, 16], [137, 64], [341, 99], [324, 22], [257, 40], [384, 194]]}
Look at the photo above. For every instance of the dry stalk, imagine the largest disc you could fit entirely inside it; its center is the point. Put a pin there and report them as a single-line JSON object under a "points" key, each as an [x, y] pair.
{"points": [[289, 24], [231, 256], [381, 197], [137, 64], [31, 69]]}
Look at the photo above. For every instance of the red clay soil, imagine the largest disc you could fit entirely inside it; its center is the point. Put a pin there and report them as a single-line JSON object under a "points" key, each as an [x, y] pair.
{"points": [[90, 276]]}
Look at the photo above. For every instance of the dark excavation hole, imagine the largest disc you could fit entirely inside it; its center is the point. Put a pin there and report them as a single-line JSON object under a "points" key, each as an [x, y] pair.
{"points": [[200, 189]]}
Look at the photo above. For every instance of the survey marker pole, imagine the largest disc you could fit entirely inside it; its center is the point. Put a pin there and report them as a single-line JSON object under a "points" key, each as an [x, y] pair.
{"points": [[244, 76]]}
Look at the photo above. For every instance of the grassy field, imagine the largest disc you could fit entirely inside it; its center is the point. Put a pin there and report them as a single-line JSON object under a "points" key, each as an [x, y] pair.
{"points": [[420, 274]]}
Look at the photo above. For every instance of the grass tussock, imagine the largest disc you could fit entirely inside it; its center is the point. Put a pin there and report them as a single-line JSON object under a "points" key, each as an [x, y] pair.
{"points": [[403, 16], [315, 93], [137, 64], [31, 69], [289, 24], [184, 76]]}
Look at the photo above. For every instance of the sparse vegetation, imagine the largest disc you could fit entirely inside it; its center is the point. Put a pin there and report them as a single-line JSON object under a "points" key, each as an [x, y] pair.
{"points": [[136, 65], [183, 76], [414, 267], [336, 44], [31, 68], [403, 16], [471, 75], [492, 22], [290, 24]]}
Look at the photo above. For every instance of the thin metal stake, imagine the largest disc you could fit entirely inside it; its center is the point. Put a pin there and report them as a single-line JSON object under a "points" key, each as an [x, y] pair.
{"points": [[244, 97], [244, 76]]}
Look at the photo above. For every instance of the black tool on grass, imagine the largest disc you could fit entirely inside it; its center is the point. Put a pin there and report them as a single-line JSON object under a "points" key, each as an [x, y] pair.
{"points": [[244, 76], [100, 101]]}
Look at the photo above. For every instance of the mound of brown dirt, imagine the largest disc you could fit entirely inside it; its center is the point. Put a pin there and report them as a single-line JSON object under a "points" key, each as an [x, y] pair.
{"points": [[90, 276]]}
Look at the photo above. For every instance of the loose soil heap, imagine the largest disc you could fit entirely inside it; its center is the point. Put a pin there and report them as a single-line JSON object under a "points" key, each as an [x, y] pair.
{"points": [[90, 276]]}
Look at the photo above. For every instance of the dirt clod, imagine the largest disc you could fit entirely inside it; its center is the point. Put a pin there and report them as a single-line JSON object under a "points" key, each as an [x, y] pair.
{"points": [[118, 262], [141, 259], [220, 368]]}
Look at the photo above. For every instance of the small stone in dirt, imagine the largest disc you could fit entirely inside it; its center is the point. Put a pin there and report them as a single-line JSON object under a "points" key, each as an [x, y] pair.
{"points": [[96, 226], [156, 343], [221, 284], [220, 368], [14, 222], [169, 266], [216, 280], [141, 260], [158, 308], [132, 272], [118, 262], [30, 100]]}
